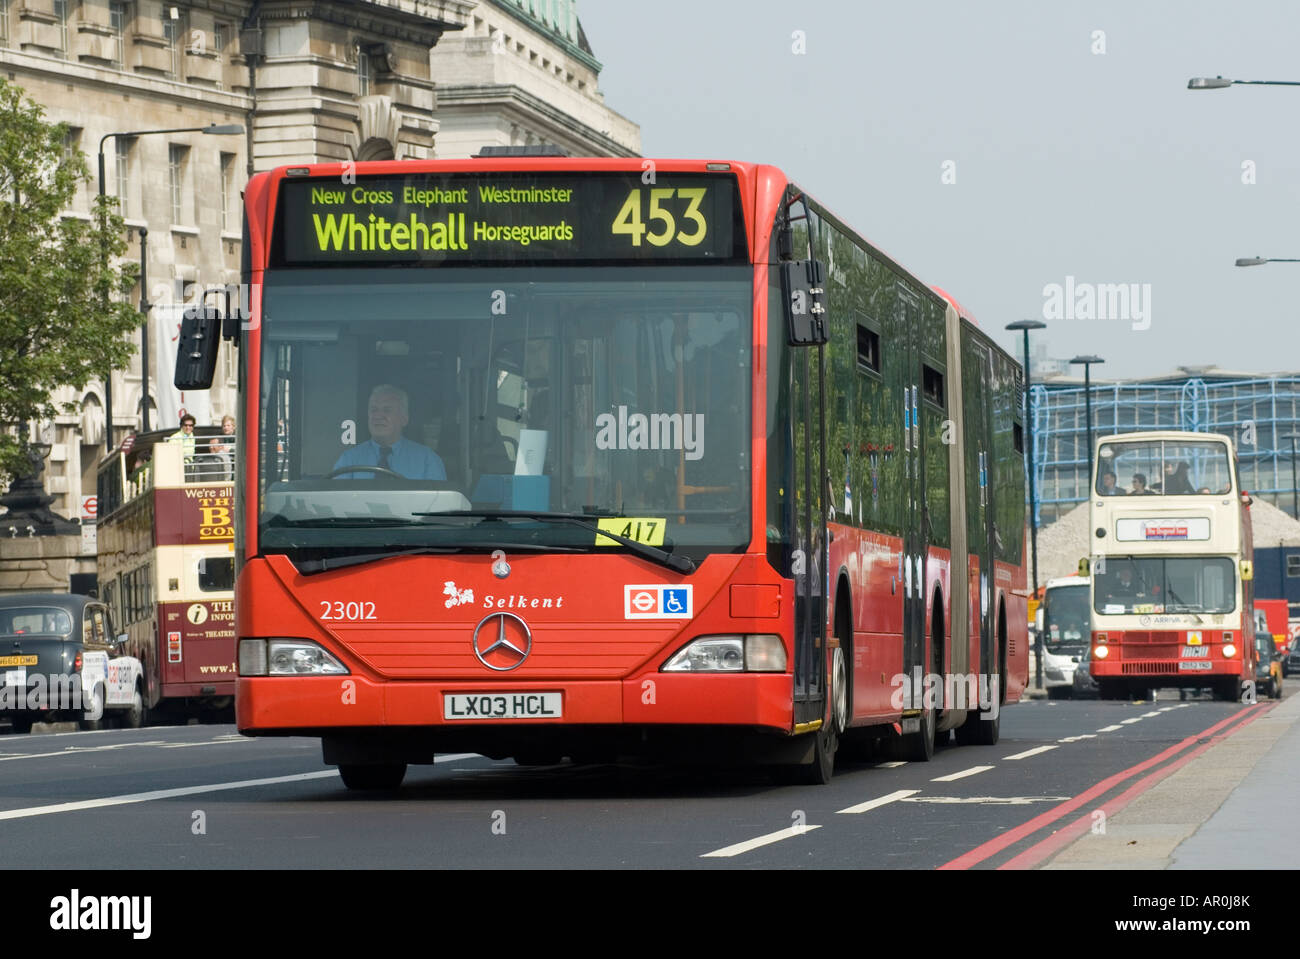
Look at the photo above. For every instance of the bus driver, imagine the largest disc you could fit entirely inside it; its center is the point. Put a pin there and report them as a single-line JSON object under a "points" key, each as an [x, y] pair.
{"points": [[389, 412]]}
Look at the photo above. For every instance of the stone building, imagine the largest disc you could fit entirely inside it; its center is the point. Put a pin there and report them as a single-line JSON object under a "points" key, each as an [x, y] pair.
{"points": [[325, 80], [522, 73]]}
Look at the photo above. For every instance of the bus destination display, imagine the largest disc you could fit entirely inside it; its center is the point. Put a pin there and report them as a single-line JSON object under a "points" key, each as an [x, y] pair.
{"points": [[477, 219]]}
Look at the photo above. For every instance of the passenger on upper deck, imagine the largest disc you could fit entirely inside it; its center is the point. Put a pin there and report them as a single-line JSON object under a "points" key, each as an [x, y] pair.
{"points": [[1108, 485], [1139, 485], [1176, 480]]}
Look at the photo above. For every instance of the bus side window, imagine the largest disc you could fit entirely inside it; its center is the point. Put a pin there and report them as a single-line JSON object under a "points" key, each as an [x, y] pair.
{"points": [[87, 630]]}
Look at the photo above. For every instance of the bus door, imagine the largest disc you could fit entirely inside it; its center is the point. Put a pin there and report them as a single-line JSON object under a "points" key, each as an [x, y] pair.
{"points": [[914, 538], [809, 563], [978, 371]]}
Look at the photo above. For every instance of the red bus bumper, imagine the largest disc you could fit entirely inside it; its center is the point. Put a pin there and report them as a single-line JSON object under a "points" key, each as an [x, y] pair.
{"points": [[1167, 655], [312, 705]]}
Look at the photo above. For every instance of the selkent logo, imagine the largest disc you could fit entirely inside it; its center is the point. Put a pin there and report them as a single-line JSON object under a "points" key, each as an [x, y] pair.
{"points": [[657, 601]]}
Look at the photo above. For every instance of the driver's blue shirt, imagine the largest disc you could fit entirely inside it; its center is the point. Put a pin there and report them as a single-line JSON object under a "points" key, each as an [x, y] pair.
{"points": [[408, 458]]}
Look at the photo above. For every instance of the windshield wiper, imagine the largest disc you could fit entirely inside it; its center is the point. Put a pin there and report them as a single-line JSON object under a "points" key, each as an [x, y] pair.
{"points": [[309, 566], [664, 557], [1187, 608], [282, 522]]}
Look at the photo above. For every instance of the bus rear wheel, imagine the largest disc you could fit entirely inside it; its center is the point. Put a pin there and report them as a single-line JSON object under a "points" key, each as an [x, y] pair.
{"points": [[373, 777]]}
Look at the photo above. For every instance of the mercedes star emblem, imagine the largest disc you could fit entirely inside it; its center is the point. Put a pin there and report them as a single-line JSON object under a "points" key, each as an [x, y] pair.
{"points": [[502, 641]]}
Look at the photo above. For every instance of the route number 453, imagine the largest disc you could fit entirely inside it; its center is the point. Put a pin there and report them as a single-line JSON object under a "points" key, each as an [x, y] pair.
{"points": [[629, 222]]}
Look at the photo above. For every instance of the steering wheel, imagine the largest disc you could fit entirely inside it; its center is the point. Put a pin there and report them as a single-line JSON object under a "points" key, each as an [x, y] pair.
{"points": [[382, 470]]}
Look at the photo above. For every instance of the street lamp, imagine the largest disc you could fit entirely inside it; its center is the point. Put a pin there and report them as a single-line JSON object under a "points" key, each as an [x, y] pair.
{"points": [[1025, 326], [215, 129], [1218, 83], [1261, 260], [144, 330], [1087, 362], [1295, 489]]}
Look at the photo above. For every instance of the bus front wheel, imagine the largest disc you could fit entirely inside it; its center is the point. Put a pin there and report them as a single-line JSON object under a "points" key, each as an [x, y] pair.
{"points": [[373, 776]]}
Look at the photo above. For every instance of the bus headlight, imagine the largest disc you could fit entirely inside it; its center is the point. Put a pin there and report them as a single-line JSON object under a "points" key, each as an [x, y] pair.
{"points": [[735, 653], [1229, 650], [1100, 652], [286, 657]]}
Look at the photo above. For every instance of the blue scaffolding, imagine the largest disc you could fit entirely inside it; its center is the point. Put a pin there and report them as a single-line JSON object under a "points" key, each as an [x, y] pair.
{"points": [[1257, 413]]}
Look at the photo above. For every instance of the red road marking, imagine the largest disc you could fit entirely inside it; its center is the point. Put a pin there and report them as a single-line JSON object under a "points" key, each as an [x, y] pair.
{"points": [[1013, 836], [1059, 840]]}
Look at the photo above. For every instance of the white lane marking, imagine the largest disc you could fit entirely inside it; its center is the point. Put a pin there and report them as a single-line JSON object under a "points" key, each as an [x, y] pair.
{"points": [[210, 742], [1182, 705], [155, 794], [892, 765], [974, 770], [77, 750], [1133, 719], [988, 800], [1031, 752], [1075, 739], [1165, 709], [1148, 715], [788, 833], [876, 803], [186, 791], [1109, 729]]}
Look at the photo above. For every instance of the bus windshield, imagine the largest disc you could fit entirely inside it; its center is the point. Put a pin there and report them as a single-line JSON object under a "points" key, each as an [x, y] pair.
{"points": [[408, 407], [1184, 585], [1163, 467], [1067, 621]]}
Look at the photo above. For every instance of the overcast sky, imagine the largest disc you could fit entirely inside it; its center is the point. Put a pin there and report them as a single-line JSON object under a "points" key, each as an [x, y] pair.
{"points": [[1068, 161]]}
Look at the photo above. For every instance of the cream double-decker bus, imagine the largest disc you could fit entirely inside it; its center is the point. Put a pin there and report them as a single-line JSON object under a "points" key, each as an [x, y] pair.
{"points": [[1171, 566], [166, 565]]}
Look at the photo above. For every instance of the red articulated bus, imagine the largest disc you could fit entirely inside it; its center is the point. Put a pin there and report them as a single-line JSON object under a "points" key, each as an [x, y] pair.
{"points": [[548, 457]]}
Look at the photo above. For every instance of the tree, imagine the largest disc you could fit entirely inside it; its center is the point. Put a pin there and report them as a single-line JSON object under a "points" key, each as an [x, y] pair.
{"points": [[62, 317]]}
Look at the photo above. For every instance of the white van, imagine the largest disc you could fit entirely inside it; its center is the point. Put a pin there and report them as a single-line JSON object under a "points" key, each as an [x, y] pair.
{"points": [[1064, 620]]}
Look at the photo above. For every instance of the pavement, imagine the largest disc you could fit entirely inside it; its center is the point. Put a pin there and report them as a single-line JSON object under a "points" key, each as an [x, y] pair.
{"points": [[1231, 807]]}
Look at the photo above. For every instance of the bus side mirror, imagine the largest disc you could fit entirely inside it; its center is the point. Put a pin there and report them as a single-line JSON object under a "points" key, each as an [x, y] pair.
{"points": [[1247, 571], [804, 303], [196, 353], [1084, 566]]}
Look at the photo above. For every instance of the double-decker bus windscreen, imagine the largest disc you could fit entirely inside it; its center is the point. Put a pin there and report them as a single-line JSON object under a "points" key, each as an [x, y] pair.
{"points": [[1184, 585], [1163, 468], [1067, 621], [453, 408]]}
